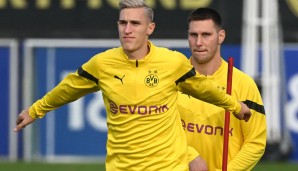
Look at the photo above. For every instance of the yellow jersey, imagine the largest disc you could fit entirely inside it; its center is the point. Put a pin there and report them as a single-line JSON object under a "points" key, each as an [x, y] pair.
{"points": [[203, 124]]}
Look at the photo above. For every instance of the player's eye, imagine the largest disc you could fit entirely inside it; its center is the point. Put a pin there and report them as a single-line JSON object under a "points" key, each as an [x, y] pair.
{"points": [[122, 22], [135, 23], [206, 34], [193, 34]]}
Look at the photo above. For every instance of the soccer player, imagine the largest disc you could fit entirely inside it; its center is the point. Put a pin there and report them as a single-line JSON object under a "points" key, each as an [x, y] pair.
{"points": [[204, 122], [140, 84]]}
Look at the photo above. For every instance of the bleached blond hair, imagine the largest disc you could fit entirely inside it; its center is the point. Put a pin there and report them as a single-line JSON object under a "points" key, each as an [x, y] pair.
{"points": [[137, 4]]}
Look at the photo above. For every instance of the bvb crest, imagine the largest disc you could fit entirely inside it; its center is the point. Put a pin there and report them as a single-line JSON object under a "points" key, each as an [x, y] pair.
{"points": [[151, 80]]}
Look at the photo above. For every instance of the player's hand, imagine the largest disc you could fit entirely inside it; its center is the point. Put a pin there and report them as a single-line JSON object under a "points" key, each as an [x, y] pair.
{"points": [[244, 113], [23, 120], [198, 164]]}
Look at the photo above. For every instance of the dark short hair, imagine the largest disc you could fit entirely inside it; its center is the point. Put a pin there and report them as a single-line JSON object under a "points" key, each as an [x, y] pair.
{"points": [[205, 14]]}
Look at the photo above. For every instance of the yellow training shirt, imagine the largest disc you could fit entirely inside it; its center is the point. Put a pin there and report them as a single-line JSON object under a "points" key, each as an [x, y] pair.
{"points": [[203, 124]]}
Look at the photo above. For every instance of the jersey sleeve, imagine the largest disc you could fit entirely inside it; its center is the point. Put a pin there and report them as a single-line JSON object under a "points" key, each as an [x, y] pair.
{"points": [[192, 153], [203, 88], [69, 89], [254, 133]]}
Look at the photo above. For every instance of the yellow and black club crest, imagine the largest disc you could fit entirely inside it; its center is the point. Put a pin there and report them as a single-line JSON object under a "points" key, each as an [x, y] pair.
{"points": [[151, 80]]}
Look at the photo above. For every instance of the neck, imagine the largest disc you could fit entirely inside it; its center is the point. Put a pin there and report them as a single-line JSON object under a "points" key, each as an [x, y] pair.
{"points": [[208, 68], [138, 54]]}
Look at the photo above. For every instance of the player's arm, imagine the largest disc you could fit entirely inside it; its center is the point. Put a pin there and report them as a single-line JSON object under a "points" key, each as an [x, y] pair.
{"points": [[254, 133], [201, 87], [69, 89], [254, 145]]}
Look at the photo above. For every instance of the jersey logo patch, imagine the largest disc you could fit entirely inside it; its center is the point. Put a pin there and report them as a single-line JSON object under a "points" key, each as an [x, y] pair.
{"points": [[121, 79], [137, 109], [151, 80]]}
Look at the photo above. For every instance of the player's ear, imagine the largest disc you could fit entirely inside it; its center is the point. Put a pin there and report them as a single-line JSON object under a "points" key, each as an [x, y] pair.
{"points": [[221, 36], [151, 28]]}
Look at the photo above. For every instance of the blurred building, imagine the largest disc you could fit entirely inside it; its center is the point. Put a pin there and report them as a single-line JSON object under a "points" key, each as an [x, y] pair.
{"points": [[97, 18]]}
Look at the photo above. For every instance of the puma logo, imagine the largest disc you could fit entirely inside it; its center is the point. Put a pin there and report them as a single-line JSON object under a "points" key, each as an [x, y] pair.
{"points": [[121, 79]]}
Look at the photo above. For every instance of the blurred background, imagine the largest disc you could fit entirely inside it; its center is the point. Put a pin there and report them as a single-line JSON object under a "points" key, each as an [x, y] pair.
{"points": [[42, 40]]}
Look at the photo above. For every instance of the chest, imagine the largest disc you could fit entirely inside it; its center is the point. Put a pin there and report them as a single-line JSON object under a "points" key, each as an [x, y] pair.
{"points": [[145, 83]]}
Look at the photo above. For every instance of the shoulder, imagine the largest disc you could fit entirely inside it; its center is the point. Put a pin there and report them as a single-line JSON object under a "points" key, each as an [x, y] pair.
{"points": [[167, 52], [101, 60], [246, 87], [243, 78], [114, 52], [173, 57], [113, 55]]}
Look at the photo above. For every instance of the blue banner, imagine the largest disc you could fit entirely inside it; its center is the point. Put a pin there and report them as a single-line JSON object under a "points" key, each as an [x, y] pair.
{"points": [[4, 100], [291, 63]]}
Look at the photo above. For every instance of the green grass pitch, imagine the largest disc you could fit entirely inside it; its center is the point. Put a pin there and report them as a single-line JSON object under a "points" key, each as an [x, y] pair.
{"points": [[21, 166]]}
